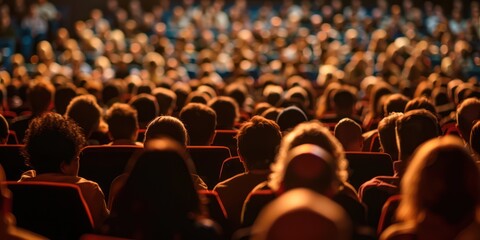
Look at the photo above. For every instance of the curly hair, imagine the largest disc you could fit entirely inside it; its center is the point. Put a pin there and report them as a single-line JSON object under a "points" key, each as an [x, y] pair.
{"points": [[312, 132], [50, 141]]}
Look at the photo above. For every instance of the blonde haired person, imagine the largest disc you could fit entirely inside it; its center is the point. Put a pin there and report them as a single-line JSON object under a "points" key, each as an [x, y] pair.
{"points": [[440, 194]]}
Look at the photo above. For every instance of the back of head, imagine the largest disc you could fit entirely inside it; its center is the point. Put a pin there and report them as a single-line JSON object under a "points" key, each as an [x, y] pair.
{"points": [[258, 141], [421, 103], [3, 130], [238, 92], [290, 117], [200, 122], [160, 184], [395, 103], [414, 128], [302, 214], [146, 106], [166, 100], [467, 112], [50, 141], [441, 179], [349, 133], [122, 121], [85, 111], [387, 135], [40, 96], [314, 133], [227, 111], [166, 126], [63, 96], [343, 102]]}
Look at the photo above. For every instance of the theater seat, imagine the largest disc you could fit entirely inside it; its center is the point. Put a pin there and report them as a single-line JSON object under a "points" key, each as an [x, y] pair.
{"points": [[226, 138], [54, 210], [231, 167], [208, 161], [254, 203], [102, 164], [364, 166], [387, 217]]}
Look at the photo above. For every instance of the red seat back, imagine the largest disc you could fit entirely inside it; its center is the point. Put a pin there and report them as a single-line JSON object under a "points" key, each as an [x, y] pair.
{"points": [[389, 209], [12, 161], [231, 167], [364, 166], [208, 161], [226, 138]]}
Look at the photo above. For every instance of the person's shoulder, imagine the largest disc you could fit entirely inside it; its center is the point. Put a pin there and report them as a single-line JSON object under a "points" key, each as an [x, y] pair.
{"points": [[230, 181], [205, 229]]}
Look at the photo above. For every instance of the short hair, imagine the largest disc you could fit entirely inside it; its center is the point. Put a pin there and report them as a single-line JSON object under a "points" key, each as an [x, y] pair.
{"points": [[122, 121], [50, 141], [312, 132], [3, 129], [443, 162], [421, 103], [166, 126], [272, 113], [227, 111], [63, 96], [40, 96], [395, 103], [237, 91], [200, 122], [166, 100], [414, 128], [387, 135], [349, 133], [146, 106], [290, 117], [343, 100], [467, 112], [258, 141], [85, 111]]}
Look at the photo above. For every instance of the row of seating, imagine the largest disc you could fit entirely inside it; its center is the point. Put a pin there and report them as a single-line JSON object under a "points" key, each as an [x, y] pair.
{"points": [[213, 163], [60, 211]]}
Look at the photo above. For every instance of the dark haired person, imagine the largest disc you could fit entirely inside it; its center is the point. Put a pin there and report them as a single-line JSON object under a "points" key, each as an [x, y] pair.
{"points": [[122, 124], [52, 148], [200, 122]]}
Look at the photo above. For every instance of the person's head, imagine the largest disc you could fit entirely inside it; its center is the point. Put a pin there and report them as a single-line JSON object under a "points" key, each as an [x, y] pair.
{"points": [[475, 140], [52, 144], [166, 100], [349, 133], [442, 180], [85, 111], [3, 130], [290, 117], [421, 103], [258, 141], [343, 102], [378, 91], [146, 106], [122, 122], [315, 133], [272, 113], [412, 129], [166, 126], [40, 97], [227, 111], [395, 103], [387, 135], [63, 96], [238, 92], [302, 214], [160, 184], [200, 122], [467, 113]]}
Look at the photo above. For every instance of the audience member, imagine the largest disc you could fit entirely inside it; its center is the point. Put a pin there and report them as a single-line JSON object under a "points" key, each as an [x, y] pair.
{"points": [[147, 108], [467, 113], [166, 100], [349, 133], [167, 126], [85, 111], [162, 169], [200, 122], [442, 186], [122, 124], [387, 135], [227, 112], [52, 148], [258, 141], [290, 117]]}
